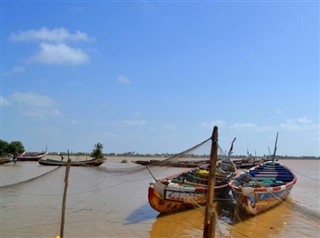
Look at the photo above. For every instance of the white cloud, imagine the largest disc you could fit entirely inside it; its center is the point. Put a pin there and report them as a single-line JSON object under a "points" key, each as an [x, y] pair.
{"points": [[36, 105], [123, 79], [74, 122], [299, 124], [252, 127], [104, 105], [15, 70], [135, 122], [219, 123], [18, 69], [45, 34], [4, 102], [60, 54], [244, 126], [32, 99], [43, 113], [111, 134], [304, 121], [54, 45], [279, 111], [170, 127]]}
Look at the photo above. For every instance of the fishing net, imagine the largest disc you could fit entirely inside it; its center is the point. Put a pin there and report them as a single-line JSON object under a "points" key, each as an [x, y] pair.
{"points": [[194, 156]]}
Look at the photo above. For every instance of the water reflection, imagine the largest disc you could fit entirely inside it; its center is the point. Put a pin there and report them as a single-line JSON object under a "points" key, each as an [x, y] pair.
{"points": [[183, 224], [141, 214], [230, 222]]}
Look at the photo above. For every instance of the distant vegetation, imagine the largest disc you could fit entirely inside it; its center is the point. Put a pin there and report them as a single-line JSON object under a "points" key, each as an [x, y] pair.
{"points": [[16, 147], [10, 149], [97, 151], [167, 155]]}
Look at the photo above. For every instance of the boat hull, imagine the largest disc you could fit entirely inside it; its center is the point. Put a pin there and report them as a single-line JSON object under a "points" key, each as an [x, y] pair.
{"points": [[5, 160], [254, 200], [173, 200], [50, 162], [189, 188], [258, 201], [31, 157], [248, 163]]}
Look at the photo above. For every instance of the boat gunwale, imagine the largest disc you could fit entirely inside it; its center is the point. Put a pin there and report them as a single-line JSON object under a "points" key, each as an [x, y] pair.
{"points": [[285, 186]]}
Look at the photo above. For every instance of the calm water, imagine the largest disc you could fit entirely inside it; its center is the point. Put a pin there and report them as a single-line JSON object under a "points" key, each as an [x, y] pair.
{"points": [[111, 201]]}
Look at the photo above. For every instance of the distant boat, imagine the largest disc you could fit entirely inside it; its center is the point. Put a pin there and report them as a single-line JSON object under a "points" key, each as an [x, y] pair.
{"points": [[91, 162], [5, 160], [184, 164], [248, 162], [31, 156], [262, 186], [181, 191]]}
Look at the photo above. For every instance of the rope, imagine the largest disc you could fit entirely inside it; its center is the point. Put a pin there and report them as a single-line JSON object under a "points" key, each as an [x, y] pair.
{"points": [[314, 179], [183, 153], [28, 180], [151, 174], [159, 163]]}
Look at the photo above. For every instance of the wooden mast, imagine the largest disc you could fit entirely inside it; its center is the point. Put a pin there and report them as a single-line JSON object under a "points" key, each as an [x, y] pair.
{"points": [[210, 219], [64, 196], [275, 148]]}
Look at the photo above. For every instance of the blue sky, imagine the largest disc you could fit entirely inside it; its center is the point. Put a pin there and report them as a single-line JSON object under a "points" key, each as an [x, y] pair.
{"points": [[156, 76]]}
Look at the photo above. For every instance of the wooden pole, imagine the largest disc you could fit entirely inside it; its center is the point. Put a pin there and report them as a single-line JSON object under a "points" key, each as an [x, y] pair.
{"points": [[210, 219], [64, 196], [275, 148]]}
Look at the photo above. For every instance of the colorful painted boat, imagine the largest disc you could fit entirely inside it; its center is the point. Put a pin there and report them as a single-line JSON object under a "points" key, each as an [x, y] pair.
{"points": [[189, 188], [262, 187], [31, 156], [90, 162]]}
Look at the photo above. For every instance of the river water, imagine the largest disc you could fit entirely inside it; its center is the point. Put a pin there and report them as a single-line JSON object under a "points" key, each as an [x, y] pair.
{"points": [[111, 201]]}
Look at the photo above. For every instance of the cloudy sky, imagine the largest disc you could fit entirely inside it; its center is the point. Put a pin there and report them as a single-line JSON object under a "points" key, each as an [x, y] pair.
{"points": [[156, 76]]}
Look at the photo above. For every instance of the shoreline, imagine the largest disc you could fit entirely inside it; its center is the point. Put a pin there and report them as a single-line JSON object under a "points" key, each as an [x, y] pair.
{"points": [[118, 159]]}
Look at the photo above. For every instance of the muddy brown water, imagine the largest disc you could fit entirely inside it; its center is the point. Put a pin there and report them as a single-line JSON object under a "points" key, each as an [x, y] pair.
{"points": [[111, 201]]}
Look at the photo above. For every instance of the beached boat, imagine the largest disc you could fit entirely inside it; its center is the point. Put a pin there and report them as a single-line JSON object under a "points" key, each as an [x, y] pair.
{"points": [[186, 189], [183, 164], [90, 162], [248, 162], [5, 160], [31, 156], [262, 186]]}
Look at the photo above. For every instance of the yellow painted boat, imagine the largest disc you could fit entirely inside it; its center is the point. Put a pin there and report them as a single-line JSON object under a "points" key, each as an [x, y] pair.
{"points": [[189, 188]]}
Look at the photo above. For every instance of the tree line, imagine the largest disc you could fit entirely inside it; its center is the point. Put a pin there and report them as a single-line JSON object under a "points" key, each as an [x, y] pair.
{"points": [[16, 147], [12, 148]]}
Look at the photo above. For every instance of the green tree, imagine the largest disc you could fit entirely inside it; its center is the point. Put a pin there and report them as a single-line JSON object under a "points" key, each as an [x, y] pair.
{"points": [[97, 151], [3, 148], [15, 148]]}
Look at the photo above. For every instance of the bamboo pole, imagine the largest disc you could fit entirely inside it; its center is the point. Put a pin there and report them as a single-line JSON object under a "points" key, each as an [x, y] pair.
{"points": [[210, 219], [64, 196]]}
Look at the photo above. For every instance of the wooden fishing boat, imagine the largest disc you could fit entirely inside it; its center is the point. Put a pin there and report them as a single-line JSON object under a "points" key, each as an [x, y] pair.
{"points": [[262, 186], [90, 162], [184, 190], [249, 162], [5, 160], [31, 156], [179, 164]]}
